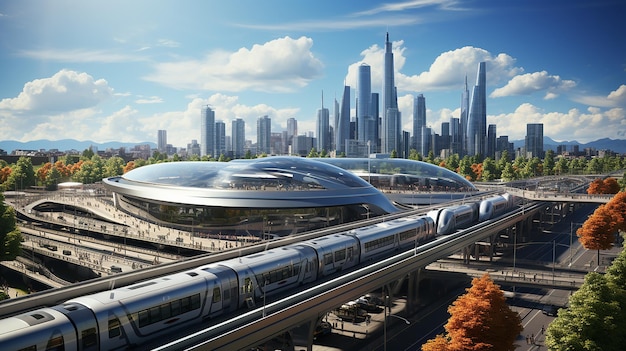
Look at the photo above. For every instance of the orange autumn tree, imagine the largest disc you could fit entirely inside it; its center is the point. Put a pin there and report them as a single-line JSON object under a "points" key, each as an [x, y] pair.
{"points": [[598, 231], [604, 186], [480, 320]]}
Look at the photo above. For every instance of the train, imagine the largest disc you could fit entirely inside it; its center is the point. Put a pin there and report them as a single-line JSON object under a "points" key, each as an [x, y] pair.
{"points": [[138, 314]]}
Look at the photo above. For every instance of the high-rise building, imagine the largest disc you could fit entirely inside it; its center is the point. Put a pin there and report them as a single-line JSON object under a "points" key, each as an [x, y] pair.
{"points": [[342, 126], [491, 141], [207, 131], [193, 148], [419, 120], [220, 139], [427, 142], [463, 121], [363, 103], [263, 134], [534, 140], [292, 132], [162, 140], [392, 120], [477, 118], [238, 134], [455, 136], [323, 128]]}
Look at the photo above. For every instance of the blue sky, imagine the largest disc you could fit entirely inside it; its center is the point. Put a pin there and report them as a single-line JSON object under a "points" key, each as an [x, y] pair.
{"points": [[121, 70]]}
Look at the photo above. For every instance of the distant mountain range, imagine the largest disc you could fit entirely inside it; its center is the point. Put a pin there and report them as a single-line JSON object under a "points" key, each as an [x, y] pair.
{"points": [[66, 145], [616, 145]]}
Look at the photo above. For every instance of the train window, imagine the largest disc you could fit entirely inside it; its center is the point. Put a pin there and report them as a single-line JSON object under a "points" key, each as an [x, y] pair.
{"points": [[155, 314], [328, 259], [89, 337], [114, 328], [226, 294], [166, 311], [217, 296], [340, 255], [185, 305], [175, 305], [349, 254], [29, 348], [195, 301], [144, 318], [56, 344], [247, 286]]}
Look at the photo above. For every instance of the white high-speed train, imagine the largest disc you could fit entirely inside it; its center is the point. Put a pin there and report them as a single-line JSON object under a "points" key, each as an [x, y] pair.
{"points": [[133, 315]]}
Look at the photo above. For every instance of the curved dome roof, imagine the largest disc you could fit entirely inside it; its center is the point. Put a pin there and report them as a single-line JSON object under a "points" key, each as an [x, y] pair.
{"points": [[402, 168], [280, 181]]}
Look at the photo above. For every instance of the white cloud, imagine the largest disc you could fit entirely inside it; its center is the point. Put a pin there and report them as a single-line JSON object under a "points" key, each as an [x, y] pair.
{"points": [[616, 98], [65, 91], [593, 124], [446, 72], [411, 4], [81, 55], [529, 83], [281, 65], [149, 100]]}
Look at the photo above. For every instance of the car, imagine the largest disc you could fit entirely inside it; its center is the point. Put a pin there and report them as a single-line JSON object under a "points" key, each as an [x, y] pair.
{"points": [[550, 310], [323, 328]]}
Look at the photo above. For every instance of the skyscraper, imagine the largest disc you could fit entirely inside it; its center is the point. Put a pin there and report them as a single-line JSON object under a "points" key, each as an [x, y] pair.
{"points": [[342, 127], [477, 118], [162, 140], [363, 103], [263, 134], [463, 121], [292, 133], [207, 131], [220, 139], [534, 140], [323, 128], [238, 134], [490, 150], [419, 120], [391, 123]]}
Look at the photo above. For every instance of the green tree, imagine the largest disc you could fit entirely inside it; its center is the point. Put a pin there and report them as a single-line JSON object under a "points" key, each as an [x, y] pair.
{"points": [[393, 154], [53, 178], [508, 173], [87, 154], [22, 175], [490, 170], [465, 168], [561, 166], [313, 153], [594, 319], [548, 163], [114, 166], [10, 235]]}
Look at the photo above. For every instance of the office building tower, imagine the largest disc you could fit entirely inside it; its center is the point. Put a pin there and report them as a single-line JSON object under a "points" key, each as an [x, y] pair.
{"points": [[238, 135], [276, 143], [193, 148], [263, 135], [444, 139], [363, 103], [490, 150], [220, 139], [374, 123], [463, 121], [503, 144], [477, 118], [534, 140], [419, 120], [392, 122], [342, 127], [426, 142], [162, 140], [323, 128], [292, 132], [207, 131], [455, 136]]}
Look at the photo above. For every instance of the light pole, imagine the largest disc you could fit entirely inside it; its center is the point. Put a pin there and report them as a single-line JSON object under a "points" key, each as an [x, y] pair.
{"points": [[385, 322]]}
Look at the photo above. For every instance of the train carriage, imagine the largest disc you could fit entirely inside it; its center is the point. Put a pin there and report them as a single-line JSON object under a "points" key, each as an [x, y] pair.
{"points": [[270, 272], [42, 329], [135, 314], [335, 252]]}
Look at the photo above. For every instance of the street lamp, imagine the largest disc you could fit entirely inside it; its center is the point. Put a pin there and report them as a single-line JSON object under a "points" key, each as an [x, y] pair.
{"points": [[385, 322]]}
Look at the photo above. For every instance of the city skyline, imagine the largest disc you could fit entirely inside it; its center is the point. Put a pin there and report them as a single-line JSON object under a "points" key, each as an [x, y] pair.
{"points": [[102, 73]]}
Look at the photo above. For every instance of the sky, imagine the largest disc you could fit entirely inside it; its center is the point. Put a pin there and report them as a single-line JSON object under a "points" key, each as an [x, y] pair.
{"points": [[121, 70]]}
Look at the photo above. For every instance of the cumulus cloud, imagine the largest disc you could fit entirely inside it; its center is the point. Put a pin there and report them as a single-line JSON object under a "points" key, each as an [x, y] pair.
{"points": [[529, 83], [65, 91], [280, 65], [583, 126], [446, 72], [149, 100]]}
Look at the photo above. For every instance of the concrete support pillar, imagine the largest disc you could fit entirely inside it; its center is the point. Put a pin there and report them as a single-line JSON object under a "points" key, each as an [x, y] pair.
{"points": [[413, 292]]}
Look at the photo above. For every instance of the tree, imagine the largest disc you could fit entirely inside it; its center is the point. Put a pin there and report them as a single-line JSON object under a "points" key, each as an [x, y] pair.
{"points": [[22, 175], [598, 231], [87, 154], [593, 321], [561, 166], [114, 166], [548, 163], [603, 186], [479, 320], [508, 173], [10, 235]]}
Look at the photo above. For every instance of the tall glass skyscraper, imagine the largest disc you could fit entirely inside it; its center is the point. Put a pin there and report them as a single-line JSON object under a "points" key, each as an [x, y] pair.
{"points": [[220, 139], [363, 102], [392, 122], [323, 128], [342, 126], [162, 140], [263, 134], [463, 121], [238, 134], [534, 140], [477, 119], [207, 131], [419, 120]]}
